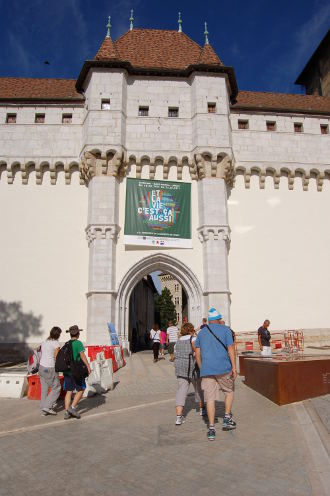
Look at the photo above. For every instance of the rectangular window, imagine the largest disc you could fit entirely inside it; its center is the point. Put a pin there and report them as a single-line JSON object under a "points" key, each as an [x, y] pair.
{"points": [[11, 118], [143, 111], [173, 111], [211, 108], [177, 317], [324, 128], [271, 125], [39, 118], [105, 104], [66, 118], [243, 124], [298, 127]]}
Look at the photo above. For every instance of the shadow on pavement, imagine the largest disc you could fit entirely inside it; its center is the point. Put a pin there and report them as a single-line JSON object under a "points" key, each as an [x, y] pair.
{"points": [[191, 404]]}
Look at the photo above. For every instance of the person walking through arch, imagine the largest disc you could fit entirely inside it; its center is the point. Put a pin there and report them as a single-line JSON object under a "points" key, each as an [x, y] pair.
{"points": [[171, 338], [155, 338], [215, 356], [162, 343]]}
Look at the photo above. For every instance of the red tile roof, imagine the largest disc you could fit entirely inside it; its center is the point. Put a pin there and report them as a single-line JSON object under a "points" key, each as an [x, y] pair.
{"points": [[38, 89], [281, 102], [107, 50], [208, 56], [157, 48]]}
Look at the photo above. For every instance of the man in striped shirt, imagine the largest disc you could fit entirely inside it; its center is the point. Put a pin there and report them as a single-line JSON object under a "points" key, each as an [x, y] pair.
{"points": [[171, 338]]}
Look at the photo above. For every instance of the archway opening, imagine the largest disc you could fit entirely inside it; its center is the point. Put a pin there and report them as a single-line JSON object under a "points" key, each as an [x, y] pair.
{"points": [[192, 291], [145, 302]]}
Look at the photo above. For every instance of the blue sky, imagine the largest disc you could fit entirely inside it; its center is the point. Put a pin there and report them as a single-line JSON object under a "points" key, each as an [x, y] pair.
{"points": [[267, 42]]}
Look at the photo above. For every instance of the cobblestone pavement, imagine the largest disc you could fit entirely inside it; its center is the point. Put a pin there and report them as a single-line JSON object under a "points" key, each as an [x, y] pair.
{"points": [[127, 444]]}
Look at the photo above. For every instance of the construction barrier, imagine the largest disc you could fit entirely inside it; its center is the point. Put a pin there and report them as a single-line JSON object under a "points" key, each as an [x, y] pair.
{"points": [[13, 385], [118, 357], [294, 341], [115, 353], [291, 341], [122, 356], [34, 387], [100, 380]]}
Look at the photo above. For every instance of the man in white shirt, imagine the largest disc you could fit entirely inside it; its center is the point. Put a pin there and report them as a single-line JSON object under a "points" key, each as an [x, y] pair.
{"points": [[171, 338]]}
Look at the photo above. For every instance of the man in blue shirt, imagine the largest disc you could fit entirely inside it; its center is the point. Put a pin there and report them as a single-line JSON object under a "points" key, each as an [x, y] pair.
{"points": [[215, 356]]}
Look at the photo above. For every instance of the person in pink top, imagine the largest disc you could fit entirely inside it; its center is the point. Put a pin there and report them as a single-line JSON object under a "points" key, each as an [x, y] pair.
{"points": [[162, 343]]}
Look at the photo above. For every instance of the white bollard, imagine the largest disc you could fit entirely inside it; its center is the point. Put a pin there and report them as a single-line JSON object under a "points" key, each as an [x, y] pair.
{"points": [[107, 375], [13, 385]]}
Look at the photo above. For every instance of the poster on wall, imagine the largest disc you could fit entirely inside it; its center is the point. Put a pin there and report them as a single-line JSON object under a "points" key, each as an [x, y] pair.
{"points": [[157, 213]]}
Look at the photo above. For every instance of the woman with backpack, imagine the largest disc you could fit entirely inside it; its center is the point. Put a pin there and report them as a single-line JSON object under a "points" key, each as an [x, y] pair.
{"points": [[186, 371], [48, 376]]}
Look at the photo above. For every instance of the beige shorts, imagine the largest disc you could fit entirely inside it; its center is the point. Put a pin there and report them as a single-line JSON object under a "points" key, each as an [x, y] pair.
{"points": [[211, 385]]}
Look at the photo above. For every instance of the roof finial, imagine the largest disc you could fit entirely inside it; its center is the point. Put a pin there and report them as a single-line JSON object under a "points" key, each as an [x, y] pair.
{"points": [[131, 20], [180, 22], [108, 26], [206, 35]]}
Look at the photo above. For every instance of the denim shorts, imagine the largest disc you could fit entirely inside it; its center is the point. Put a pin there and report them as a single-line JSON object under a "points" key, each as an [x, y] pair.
{"points": [[71, 385]]}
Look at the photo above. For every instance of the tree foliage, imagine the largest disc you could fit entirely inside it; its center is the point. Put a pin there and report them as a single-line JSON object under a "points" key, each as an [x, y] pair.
{"points": [[165, 307]]}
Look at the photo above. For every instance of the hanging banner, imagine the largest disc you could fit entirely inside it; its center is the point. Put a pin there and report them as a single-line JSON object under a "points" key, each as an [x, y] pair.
{"points": [[158, 213]]}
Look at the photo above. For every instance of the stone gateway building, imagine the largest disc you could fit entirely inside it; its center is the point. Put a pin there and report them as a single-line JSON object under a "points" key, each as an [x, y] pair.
{"points": [[156, 105]]}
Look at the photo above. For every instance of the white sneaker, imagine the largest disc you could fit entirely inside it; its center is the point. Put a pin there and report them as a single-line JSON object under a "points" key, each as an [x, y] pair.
{"points": [[48, 411], [180, 420]]}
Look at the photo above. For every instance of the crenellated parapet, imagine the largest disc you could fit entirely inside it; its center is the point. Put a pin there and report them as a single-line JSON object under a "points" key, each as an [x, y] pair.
{"points": [[119, 163], [23, 169], [295, 176], [102, 231]]}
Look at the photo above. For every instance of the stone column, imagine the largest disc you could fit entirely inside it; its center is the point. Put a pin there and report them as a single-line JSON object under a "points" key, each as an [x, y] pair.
{"points": [[214, 233], [102, 232]]}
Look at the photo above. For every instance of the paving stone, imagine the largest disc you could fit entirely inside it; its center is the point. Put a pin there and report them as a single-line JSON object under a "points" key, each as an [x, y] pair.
{"points": [[122, 448]]}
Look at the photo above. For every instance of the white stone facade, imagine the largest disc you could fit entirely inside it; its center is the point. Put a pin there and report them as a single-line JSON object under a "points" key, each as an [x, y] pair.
{"points": [[231, 266]]}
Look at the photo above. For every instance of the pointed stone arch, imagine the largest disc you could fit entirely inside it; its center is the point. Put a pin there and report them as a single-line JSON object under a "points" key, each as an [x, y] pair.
{"points": [[169, 265]]}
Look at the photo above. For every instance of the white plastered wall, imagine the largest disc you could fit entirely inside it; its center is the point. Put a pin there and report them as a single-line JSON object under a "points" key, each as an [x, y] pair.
{"points": [[279, 263], [44, 253]]}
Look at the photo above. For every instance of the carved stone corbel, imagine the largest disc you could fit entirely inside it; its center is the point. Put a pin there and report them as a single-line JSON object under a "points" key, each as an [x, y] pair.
{"points": [[247, 179], [165, 169], [193, 169], [291, 180], [200, 166], [99, 231], [262, 179], [179, 169], [138, 168]]}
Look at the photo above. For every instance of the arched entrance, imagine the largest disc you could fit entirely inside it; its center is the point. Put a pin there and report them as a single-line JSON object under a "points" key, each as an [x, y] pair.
{"points": [[168, 265]]}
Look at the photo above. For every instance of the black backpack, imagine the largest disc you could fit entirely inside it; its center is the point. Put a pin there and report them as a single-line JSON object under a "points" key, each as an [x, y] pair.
{"points": [[64, 358]]}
